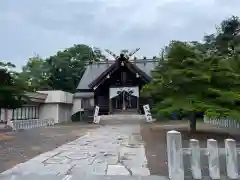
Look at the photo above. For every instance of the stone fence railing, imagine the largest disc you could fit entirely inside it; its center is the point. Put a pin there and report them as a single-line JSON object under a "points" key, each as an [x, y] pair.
{"points": [[176, 152], [30, 123], [222, 122]]}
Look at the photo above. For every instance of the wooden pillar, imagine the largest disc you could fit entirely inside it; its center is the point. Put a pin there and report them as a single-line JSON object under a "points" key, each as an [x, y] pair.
{"points": [[138, 105], [110, 106], [123, 102], [138, 101], [110, 102]]}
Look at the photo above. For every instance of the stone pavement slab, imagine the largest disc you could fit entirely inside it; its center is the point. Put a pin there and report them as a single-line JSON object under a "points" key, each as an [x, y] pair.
{"points": [[79, 177], [117, 169], [120, 177], [31, 177], [106, 150], [21, 146]]}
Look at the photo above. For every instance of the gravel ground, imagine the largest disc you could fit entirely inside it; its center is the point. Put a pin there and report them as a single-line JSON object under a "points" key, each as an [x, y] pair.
{"points": [[155, 143], [18, 147]]}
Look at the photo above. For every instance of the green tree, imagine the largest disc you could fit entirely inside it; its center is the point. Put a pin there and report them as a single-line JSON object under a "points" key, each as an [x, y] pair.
{"points": [[67, 67], [61, 71], [226, 40], [12, 88], [98, 55], [36, 74], [192, 81]]}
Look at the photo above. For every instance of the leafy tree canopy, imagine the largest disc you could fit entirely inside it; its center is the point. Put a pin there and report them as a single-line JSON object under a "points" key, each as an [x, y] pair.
{"points": [[12, 88], [61, 71], [199, 77]]}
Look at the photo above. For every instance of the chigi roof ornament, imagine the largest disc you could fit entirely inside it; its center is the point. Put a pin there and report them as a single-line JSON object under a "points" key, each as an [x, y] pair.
{"points": [[124, 53]]}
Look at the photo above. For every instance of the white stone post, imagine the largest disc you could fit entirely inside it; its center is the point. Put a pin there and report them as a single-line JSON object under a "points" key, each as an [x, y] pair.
{"points": [[96, 118], [213, 159], [195, 159], [131, 140], [231, 158], [175, 155]]}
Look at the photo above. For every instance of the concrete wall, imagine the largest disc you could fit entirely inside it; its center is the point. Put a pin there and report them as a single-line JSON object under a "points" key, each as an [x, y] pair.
{"points": [[77, 105], [48, 111], [58, 97], [59, 112], [64, 112], [92, 101], [58, 105]]}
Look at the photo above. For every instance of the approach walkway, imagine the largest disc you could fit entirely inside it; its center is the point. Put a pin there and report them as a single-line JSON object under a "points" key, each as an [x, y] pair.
{"points": [[111, 151], [122, 119]]}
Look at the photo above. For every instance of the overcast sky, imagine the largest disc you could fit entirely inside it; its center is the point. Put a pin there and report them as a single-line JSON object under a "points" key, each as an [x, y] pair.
{"points": [[46, 26]]}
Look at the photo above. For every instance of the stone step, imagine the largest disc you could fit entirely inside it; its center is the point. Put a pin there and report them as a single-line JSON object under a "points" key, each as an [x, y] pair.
{"points": [[120, 122], [80, 176], [122, 119]]}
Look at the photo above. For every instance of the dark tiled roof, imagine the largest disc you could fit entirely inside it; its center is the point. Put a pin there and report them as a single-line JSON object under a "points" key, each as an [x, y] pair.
{"points": [[83, 94], [94, 70]]}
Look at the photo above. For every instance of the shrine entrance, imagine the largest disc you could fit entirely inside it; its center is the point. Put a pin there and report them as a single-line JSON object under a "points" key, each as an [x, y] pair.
{"points": [[124, 98]]}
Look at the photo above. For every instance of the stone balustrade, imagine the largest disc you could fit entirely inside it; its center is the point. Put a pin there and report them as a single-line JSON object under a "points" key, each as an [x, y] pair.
{"points": [[30, 123], [176, 152], [222, 122]]}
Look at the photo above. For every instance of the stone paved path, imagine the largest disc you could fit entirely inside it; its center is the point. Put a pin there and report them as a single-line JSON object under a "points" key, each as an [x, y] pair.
{"points": [[21, 146], [108, 150]]}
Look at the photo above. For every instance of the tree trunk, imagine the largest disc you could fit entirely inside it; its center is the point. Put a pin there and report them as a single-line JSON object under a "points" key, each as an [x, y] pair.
{"points": [[193, 122]]}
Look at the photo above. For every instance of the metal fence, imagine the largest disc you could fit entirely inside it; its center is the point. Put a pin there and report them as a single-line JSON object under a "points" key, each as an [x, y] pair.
{"points": [[176, 152], [222, 122], [30, 123]]}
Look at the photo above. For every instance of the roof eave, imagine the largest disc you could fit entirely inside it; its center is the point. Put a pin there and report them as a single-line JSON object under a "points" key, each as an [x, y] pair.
{"points": [[99, 79], [136, 69]]}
